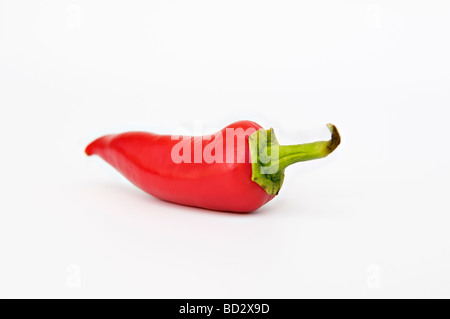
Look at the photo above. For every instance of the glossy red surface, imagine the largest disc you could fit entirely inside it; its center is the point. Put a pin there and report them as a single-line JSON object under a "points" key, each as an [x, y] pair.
{"points": [[145, 159]]}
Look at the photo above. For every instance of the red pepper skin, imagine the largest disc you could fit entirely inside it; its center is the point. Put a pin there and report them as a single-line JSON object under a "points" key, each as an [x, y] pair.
{"points": [[145, 160]]}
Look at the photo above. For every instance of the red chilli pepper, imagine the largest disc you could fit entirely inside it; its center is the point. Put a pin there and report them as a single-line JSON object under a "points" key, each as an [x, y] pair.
{"points": [[238, 169]]}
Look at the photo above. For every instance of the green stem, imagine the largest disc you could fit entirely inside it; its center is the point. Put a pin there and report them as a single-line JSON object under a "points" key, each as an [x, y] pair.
{"points": [[290, 154], [272, 158]]}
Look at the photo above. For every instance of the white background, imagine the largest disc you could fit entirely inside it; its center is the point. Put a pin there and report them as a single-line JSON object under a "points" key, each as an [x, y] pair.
{"points": [[371, 220]]}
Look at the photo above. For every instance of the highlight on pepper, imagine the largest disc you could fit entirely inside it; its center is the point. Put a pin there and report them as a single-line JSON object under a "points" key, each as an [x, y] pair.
{"points": [[238, 169]]}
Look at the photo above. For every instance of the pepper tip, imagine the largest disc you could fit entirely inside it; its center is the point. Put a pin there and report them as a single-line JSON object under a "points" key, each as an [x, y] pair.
{"points": [[88, 150]]}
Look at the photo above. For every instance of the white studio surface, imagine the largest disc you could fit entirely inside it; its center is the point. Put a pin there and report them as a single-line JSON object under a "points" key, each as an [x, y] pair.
{"points": [[370, 221]]}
